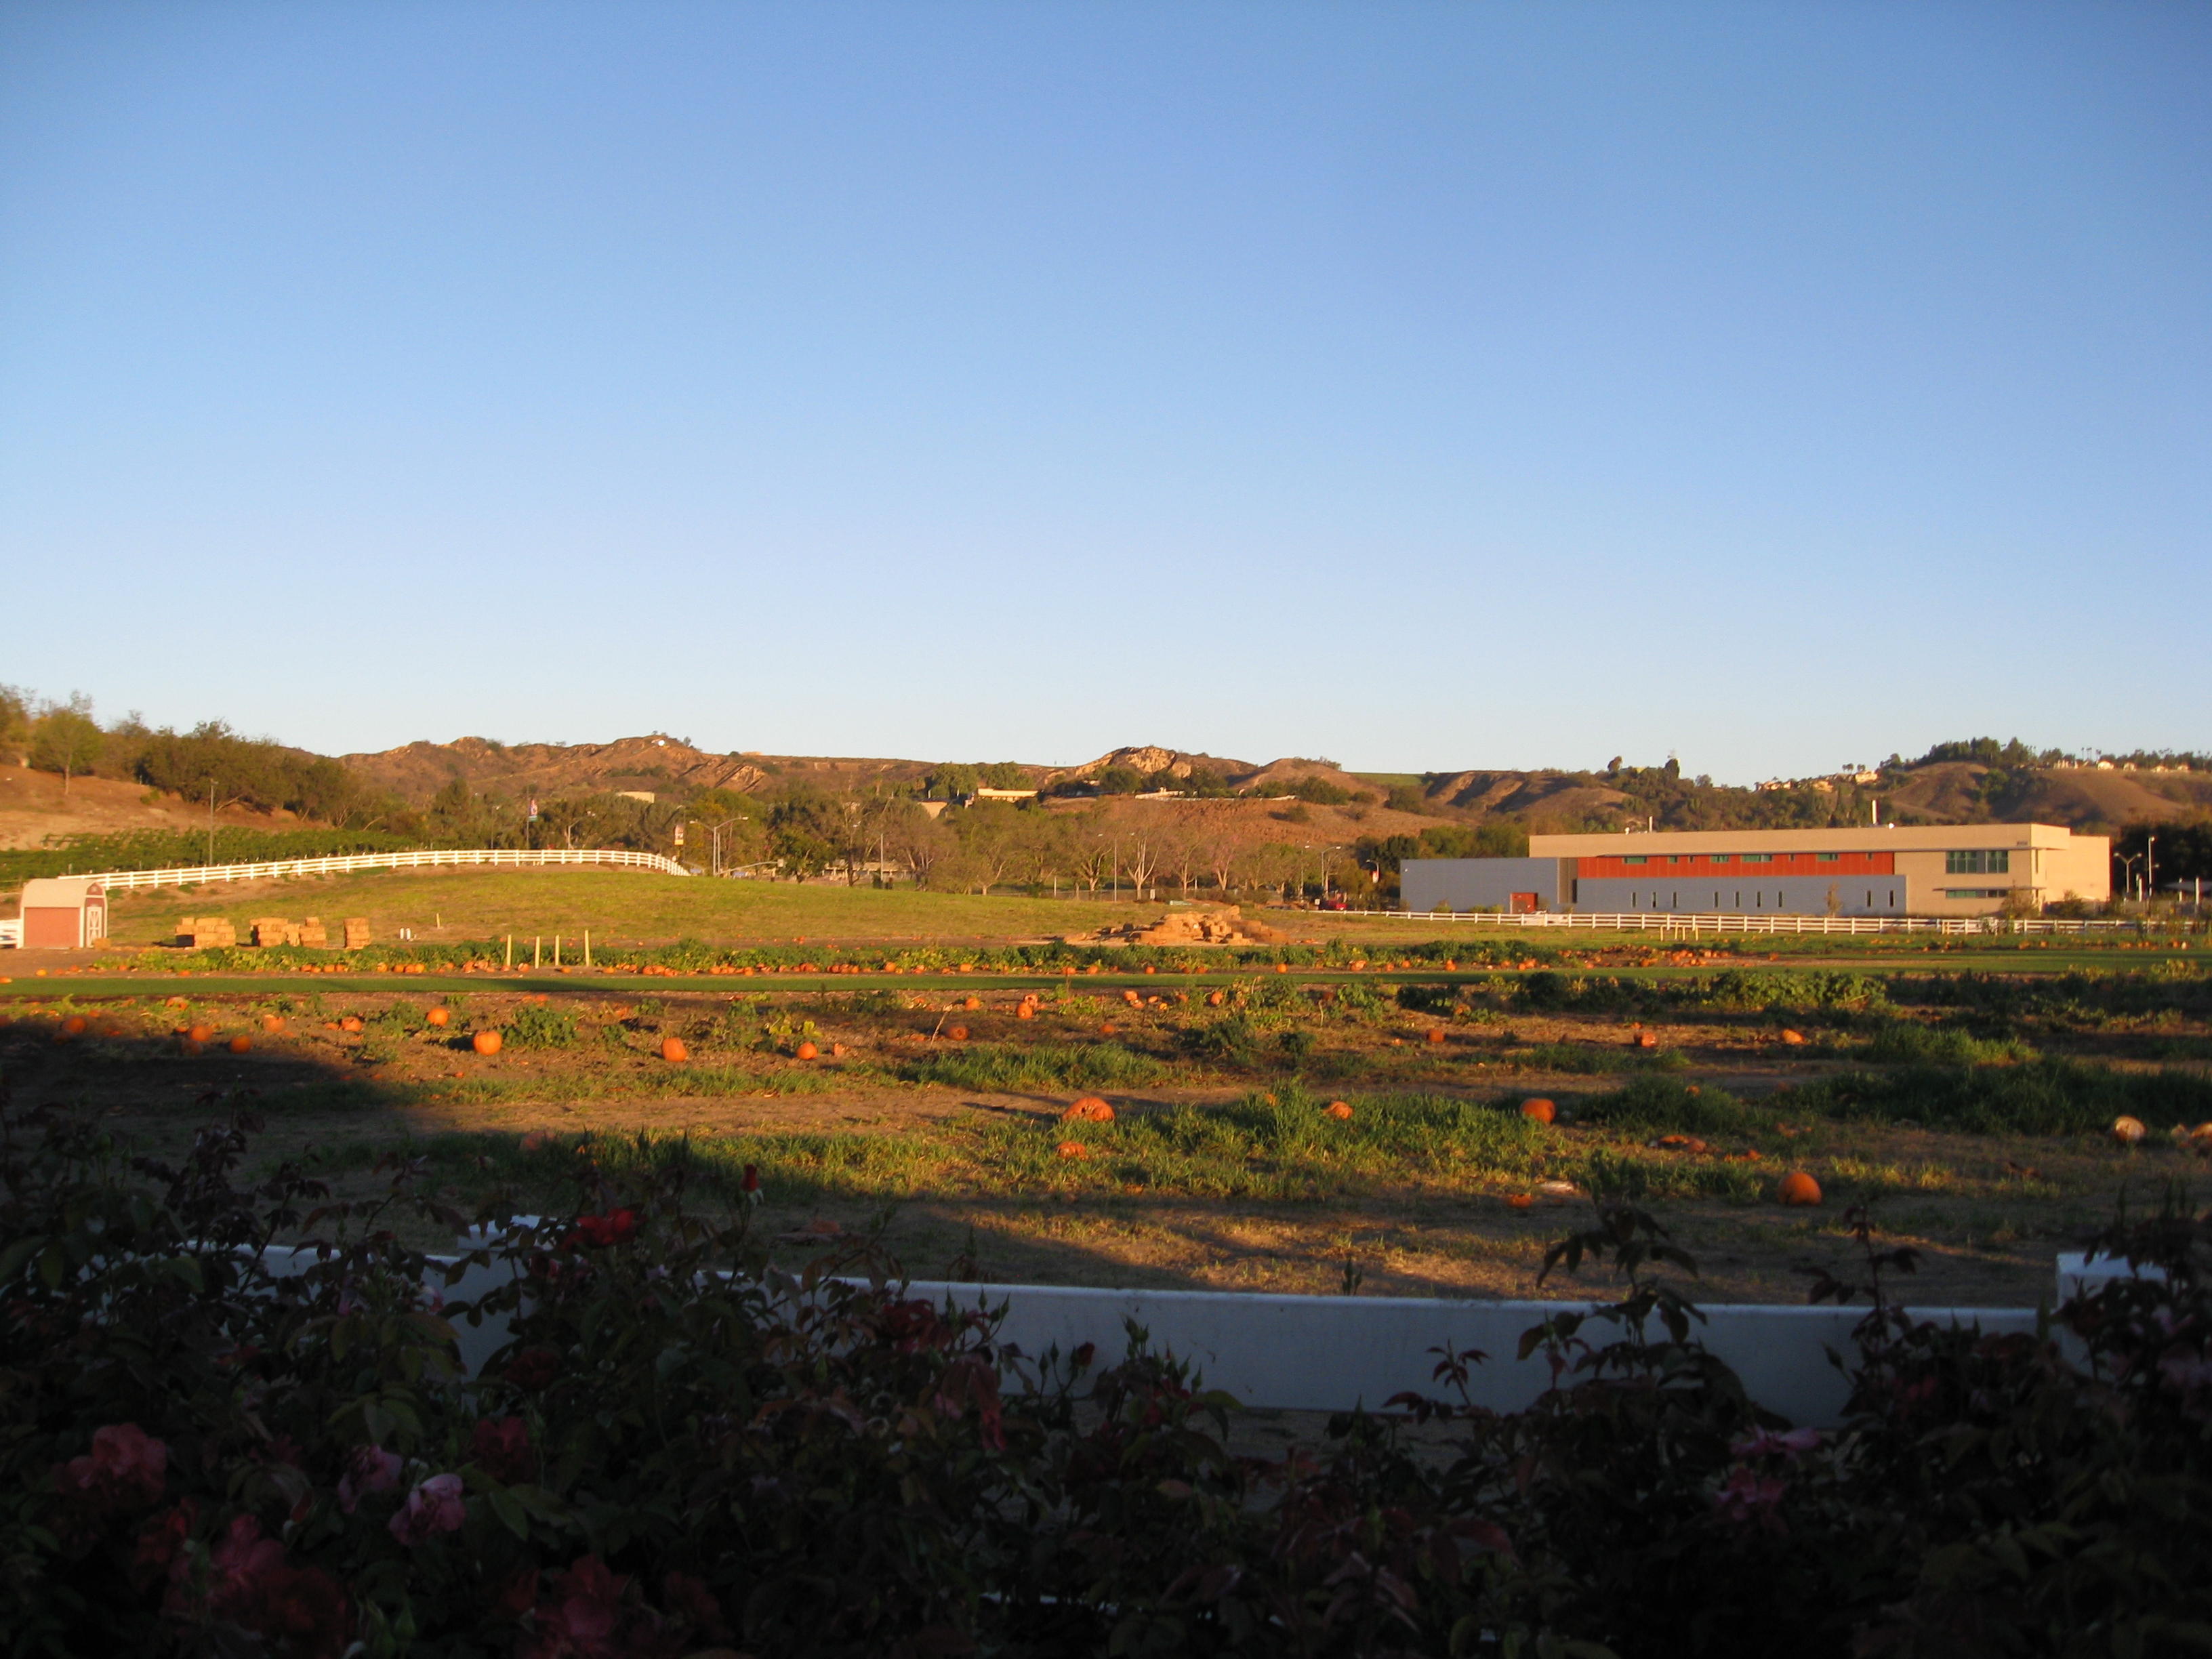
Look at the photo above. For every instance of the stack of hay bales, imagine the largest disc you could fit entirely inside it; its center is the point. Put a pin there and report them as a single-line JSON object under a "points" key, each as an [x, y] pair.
{"points": [[205, 932], [356, 932], [312, 935], [1224, 925], [274, 930]]}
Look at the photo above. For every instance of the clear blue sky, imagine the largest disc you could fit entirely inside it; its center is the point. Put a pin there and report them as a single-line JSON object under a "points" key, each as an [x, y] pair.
{"points": [[1425, 387]]}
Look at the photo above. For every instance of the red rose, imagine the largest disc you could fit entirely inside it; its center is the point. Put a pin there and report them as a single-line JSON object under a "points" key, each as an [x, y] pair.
{"points": [[504, 1449], [533, 1369]]}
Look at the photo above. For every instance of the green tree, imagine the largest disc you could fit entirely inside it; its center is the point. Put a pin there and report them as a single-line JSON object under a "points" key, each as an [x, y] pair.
{"points": [[15, 721], [67, 740]]}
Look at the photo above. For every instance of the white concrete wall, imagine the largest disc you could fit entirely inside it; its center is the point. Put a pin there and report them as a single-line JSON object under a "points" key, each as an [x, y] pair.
{"points": [[1330, 1352]]}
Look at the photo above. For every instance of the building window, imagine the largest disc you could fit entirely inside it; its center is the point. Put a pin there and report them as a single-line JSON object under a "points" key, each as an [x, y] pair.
{"points": [[1980, 861], [1974, 892], [1635, 859], [1720, 858], [1758, 858], [1828, 857]]}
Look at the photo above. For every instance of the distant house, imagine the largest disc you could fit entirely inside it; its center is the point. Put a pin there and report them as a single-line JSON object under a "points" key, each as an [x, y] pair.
{"points": [[1004, 794], [645, 795]]}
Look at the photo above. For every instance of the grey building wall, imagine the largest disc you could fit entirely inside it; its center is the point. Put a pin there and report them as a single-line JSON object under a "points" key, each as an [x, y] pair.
{"points": [[1479, 883], [1744, 894]]}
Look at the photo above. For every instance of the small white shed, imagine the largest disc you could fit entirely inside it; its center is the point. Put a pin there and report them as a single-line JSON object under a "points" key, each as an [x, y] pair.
{"points": [[64, 913]]}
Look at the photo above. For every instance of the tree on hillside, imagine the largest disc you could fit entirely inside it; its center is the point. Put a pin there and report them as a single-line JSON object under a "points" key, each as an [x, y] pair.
{"points": [[989, 835], [15, 721], [67, 740], [919, 841], [806, 833], [950, 779]]}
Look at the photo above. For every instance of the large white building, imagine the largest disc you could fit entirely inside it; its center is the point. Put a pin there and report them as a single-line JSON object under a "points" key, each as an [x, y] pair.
{"points": [[1880, 870]]}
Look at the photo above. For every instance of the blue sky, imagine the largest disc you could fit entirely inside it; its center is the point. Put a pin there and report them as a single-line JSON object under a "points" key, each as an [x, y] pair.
{"points": [[1424, 387]]}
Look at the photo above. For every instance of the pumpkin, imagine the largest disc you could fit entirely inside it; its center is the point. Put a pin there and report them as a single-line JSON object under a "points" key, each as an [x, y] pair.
{"points": [[1793, 1038], [1647, 1040], [973, 1004], [1148, 970], [837, 1051], [1539, 1110], [1088, 1110], [1027, 1011], [350, 1023], [272, 1021], [1800, 1188], [673, 1051], [240, 1045], [438, 1015], [486, 1042], [1215, 999], [1337, 1108], [206, 1033], [1435, 1033], [1520, 1202], [1281, 969], [76, 1025], [1132, 998], [808, 1051], [958, 1034], [2128, 1130], [1108, 1028], [1074, 1149]]}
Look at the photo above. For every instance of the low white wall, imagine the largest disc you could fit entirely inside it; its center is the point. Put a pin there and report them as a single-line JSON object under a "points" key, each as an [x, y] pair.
{"points": [[1332, 1352]]}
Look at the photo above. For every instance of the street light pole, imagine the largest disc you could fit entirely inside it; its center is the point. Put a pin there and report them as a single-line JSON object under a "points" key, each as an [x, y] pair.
{"points": [[2150, 870]]}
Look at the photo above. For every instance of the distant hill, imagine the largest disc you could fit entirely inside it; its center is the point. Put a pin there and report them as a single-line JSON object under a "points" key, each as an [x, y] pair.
{"points": [[1929, 792]]}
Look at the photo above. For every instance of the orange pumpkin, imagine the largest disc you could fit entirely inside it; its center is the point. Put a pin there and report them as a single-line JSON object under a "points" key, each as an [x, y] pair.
{"points": [[206, 1033], [486, 1043], [1539, 1110], [272, 1021], [1027, 1011], [1793, 1038], [240, 1045], [1088, 1110], [1074, 1149], [1215, 999], [1108, 1029], [1337, 1108], [76, 1025], [808, 1051], [1435, 1033], [972, 1004], [438, 1016], [837, 1051], [958, 1034], [1800, 1188], [1520, 1202], [350, 1023], [673, 1051], [190, 1047]]}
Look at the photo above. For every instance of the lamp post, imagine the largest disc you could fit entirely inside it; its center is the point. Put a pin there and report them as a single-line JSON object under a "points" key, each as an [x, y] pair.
{"points": [[2150, 871], [2127, 863]]}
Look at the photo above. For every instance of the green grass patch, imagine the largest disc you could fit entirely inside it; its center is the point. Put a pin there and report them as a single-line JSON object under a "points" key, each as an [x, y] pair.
{"points": [[1044, 1066]]}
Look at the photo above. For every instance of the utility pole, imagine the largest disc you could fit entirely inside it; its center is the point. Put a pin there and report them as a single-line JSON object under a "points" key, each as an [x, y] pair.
{"points": [[2150, 871]]}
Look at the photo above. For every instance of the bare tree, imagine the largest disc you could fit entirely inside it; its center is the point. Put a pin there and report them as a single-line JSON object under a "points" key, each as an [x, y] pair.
{"points": [[1141, 860]]}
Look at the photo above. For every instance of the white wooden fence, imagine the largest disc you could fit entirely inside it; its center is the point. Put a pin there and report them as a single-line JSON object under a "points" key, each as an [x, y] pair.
{"points": [[1690, 925], [516, 858]]}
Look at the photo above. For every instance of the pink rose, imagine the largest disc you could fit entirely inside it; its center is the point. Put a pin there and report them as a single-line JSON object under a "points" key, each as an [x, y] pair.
{"points": [[371, 1469], [434, 1507]]}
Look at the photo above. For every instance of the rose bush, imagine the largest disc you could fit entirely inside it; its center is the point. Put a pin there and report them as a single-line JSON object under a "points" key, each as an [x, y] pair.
{"points": [[679, 1451]]}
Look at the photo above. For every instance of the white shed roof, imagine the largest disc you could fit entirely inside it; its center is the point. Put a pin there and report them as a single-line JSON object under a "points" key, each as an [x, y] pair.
{"points": [[60, 893]]}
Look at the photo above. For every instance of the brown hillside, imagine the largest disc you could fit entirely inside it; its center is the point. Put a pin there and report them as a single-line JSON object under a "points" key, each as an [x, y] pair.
{"points": [[1149, 758], [419, 770], [33, 806], [1950, 792], [1524, 795]]}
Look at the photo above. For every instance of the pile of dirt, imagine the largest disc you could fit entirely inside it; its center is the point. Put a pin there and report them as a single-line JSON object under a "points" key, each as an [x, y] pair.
{"points": [[1224, 924]]}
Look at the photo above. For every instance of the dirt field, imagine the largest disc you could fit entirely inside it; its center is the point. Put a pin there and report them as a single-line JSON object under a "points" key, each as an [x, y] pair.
{"points": [[1974, 1129]]}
